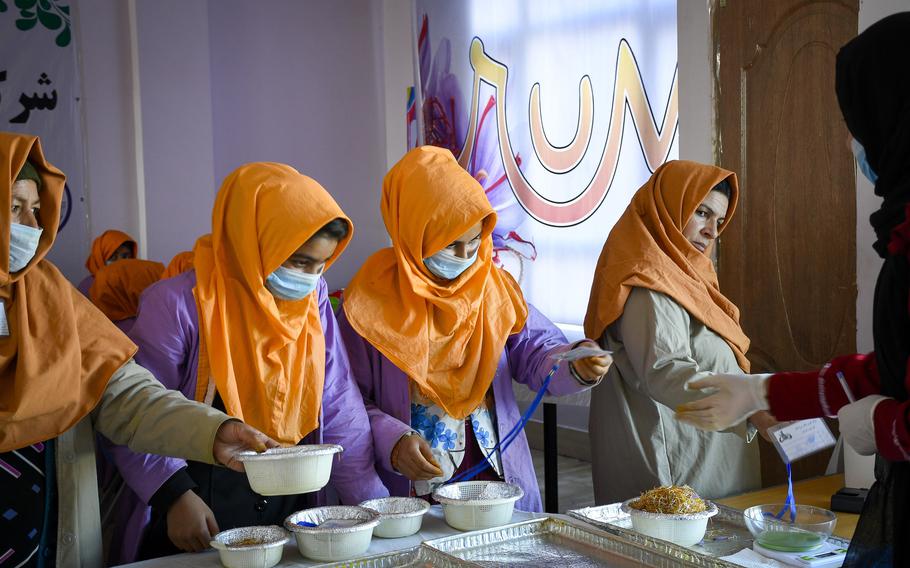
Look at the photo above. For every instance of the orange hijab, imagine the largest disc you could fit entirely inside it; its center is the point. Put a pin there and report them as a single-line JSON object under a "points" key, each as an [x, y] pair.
{"points": [[117, 287], [647, 248], [266, 356], [182, 262], [447, 336], [61, 351], [104, 246]]}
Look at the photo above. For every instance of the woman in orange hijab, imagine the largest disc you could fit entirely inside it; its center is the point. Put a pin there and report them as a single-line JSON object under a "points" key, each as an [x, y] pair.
{"points": [[656, 304], [107, 249], [66, 371], [117, 288], [436, 334], [182, 262], [250, 330]]}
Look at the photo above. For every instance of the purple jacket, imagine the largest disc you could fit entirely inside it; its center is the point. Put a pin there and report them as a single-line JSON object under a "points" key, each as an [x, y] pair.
{"points": [[86, 285], [525, 359], [167, 333]]}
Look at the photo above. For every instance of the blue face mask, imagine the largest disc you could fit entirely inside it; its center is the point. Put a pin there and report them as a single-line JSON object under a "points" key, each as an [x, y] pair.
{"points": [[287, 284], [448, 266], [23, 242], [860, 154]]}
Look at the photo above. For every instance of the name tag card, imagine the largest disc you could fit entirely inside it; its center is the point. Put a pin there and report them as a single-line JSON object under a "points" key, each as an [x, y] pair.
{"points": [[795, 440]]}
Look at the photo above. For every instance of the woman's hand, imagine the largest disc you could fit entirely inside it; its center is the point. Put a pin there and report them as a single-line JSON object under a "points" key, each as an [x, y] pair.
{"points": [[190, 523], [413, 458], [763, 420], [234, 437], [735, 398], [590, 369]]}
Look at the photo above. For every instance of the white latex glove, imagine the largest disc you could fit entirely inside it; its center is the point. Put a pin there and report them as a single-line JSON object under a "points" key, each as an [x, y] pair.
{"points": [[733, 398], [857, 426]]}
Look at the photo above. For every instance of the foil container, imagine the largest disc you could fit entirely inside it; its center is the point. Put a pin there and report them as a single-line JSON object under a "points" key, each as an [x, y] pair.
{"points": [[333, 520], [419, 557], [397, 507], [727, 534], [549, 542], [267, 536], [290, 452], [709, 512], [479, 492]]}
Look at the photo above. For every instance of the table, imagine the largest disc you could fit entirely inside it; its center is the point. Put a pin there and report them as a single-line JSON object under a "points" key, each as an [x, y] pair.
{"points": [[816, 492], [434, 526]]}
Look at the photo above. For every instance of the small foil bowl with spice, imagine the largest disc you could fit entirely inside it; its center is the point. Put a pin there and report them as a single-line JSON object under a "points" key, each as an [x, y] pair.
{"points": [[676, 514], [334, 533], [398, 516], [250, 547]]}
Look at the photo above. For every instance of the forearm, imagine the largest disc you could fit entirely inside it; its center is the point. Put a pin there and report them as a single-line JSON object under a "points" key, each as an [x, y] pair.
{"points": [[137, 411], [813, 394]]}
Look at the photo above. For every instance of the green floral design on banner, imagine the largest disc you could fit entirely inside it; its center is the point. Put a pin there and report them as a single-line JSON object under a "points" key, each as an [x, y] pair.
{"points": [[2, 6], [50, 13]]}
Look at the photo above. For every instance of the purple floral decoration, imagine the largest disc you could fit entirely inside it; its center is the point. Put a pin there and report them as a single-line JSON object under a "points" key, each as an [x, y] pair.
{"points": [[443, 127]]}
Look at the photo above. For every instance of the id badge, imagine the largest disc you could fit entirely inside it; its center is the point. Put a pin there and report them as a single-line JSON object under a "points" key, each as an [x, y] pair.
{"points": [[796, 440]]}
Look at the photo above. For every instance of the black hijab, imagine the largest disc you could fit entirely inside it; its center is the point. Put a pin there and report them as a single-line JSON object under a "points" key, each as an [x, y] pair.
{"points": [[873, 89]]}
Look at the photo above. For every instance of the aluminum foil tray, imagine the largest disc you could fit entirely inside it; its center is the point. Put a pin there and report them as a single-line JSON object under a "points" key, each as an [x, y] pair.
{"points": [[549, 542], [419, 557], [727, 534]]}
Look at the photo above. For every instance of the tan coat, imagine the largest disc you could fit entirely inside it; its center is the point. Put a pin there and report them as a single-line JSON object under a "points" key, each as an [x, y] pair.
{"points": [[636, 443], [135, 410]]}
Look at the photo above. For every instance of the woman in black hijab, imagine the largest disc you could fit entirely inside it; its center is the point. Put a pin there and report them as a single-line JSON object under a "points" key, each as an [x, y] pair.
{"points": [[873, 89]]}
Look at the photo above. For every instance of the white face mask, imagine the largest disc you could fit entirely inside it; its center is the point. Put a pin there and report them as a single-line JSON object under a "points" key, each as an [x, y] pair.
{"points": [[23, 243], [287, 284], [448, 266]]}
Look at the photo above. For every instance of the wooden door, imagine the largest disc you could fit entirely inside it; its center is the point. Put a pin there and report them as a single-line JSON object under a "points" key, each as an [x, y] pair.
{"points": [[788, 260]]}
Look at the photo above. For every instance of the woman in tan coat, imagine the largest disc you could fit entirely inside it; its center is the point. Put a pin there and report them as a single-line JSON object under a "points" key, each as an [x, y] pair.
{"points": [[66, 372], [656, 304]]}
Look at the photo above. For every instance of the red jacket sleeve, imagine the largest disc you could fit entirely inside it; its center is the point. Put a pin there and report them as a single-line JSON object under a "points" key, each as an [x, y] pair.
{"points": [[796, 396]]}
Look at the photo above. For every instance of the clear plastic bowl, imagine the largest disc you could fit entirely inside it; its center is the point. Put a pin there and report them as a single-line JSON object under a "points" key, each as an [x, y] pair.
{"points": [[265, 553], [289, 471], [686, 529], [340, 532], [473, 505], [810, 529], [398, 516]]}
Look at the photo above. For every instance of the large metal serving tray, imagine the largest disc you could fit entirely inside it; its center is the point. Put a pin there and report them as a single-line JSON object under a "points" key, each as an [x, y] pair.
{"points": [[727, 534], [550, 542], [418, 557]]}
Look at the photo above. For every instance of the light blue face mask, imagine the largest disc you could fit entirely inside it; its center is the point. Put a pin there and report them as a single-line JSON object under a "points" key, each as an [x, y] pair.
{"points": [[448, 266], [287, 284], [23, 242], [860, 154]]}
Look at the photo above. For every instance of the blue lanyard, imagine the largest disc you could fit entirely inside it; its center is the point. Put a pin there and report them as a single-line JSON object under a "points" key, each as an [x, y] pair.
{"points": [[790, 503], [507, 440]]}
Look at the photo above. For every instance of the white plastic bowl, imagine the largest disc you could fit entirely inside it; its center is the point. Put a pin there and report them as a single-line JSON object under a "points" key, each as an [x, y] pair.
{"points": [[340, 532], [265, 553], [685, 529], [398, 516], [289, 471], [473, 505]]}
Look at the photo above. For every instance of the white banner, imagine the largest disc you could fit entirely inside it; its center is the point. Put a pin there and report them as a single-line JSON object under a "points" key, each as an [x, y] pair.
{"points": [[39, 94], [561, 110]]}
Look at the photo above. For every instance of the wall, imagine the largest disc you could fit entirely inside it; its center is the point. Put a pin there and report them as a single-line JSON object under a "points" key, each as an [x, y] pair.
{"points": [[102, 37], [228, 82], [299, 83]]}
